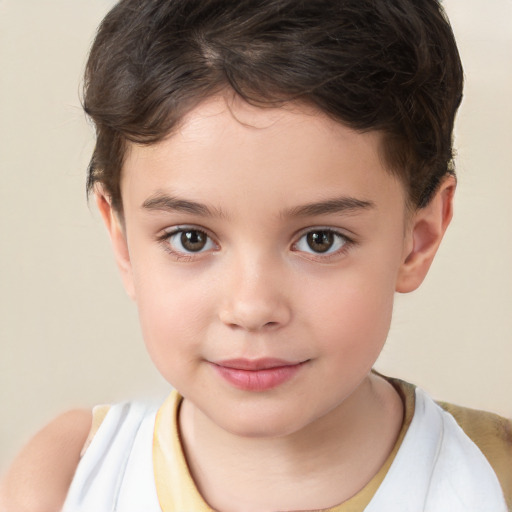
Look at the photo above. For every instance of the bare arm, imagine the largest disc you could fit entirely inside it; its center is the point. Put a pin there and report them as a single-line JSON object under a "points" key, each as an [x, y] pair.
{"points": [[39, 477]]}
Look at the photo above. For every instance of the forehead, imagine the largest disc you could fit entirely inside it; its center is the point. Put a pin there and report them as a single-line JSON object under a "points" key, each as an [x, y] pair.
{"points": [[225, 148]]}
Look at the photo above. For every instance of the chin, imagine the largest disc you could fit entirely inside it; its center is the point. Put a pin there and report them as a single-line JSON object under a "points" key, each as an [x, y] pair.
{"points": [[258, 423]]}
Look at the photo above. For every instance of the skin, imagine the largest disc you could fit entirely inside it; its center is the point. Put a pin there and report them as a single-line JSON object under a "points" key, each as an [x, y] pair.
{"points": [[254, 183], [39, 478]]}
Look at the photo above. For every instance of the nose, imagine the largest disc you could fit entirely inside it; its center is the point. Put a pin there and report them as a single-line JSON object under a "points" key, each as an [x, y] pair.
{"points": [[255, 298]]}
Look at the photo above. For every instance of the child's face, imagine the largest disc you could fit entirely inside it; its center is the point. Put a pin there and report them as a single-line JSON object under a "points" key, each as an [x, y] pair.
{"points": [[263, 238]]}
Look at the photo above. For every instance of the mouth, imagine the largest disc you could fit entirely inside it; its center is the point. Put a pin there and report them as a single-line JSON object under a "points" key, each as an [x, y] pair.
{"points": [[257, 374]]}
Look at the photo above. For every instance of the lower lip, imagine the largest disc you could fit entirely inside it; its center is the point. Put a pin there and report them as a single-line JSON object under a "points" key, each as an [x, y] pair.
{"points": [[258, 380]]}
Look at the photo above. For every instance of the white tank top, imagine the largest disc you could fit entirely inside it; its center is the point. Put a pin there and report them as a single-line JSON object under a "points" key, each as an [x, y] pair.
{"points": [[436, 469], [116, 471]]}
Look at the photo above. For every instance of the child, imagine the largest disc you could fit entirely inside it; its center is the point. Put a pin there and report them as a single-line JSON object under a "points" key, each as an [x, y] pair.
{"points": [[270, 173]]}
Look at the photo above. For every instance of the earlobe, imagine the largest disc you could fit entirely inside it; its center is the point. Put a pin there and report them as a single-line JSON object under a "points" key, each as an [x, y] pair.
{"points": [[118, 238], [424, 235]]}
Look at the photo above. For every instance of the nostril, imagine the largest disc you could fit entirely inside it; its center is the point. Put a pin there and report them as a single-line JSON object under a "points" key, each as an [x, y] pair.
{"points": [[253, 315], [248, 327]]}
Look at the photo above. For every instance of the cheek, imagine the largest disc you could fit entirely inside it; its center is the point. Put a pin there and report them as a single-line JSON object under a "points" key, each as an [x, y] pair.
{"points": [[174, 313], [353, 311], [358, 316]]}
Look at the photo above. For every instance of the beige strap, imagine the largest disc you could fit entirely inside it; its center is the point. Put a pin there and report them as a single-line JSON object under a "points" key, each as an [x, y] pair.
{"points": [[493, 435], [98, 415]]}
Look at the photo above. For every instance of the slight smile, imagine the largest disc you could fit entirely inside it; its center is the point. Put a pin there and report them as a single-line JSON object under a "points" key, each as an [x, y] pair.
{"points": [[257, 374]]}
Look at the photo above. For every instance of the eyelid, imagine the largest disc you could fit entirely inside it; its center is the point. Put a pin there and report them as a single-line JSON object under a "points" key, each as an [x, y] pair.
{"points": [[179, 228], [345, 233], [349, 242], [164, 236]]}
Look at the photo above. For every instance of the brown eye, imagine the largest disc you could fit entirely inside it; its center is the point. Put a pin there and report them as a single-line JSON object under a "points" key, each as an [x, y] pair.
{"points": [[320, 241], [188, 241], [193, 240]]}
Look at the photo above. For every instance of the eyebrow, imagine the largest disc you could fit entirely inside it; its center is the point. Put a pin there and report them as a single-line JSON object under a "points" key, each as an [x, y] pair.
{"points": [[167, 203], [347, 205], [330, 206]]}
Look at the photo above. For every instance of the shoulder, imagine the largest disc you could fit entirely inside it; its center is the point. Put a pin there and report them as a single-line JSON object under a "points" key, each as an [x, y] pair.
{"points": [[39, 477], [493, 436], [491, 433]]}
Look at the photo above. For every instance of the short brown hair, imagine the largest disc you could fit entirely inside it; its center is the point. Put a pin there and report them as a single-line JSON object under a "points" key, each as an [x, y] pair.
{"points": [[389, 65]]}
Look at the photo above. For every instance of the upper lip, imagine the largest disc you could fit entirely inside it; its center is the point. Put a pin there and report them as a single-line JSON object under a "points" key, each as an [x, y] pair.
{"points": [[266, 363]]}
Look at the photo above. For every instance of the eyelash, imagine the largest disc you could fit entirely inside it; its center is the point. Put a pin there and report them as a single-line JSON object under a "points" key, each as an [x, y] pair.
{"points": [[165, 240], [347, 243], [184, 256]]}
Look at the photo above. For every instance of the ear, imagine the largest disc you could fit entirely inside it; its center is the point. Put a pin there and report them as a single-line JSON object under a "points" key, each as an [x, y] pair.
{"points": [[117, 235], [424, 234]]}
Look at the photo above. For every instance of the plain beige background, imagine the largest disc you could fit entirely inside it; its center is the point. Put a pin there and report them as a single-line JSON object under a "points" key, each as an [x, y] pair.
{"points": [[69, 336]]}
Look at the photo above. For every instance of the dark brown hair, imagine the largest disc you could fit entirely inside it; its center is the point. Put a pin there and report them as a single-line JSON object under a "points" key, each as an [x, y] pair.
{"points": [[389, 65]]}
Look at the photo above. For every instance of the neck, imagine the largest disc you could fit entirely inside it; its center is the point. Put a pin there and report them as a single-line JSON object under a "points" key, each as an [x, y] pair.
{"points": [[295, 472]]}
